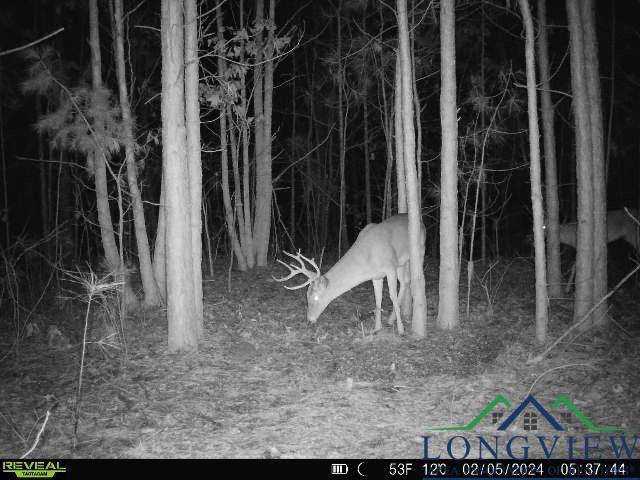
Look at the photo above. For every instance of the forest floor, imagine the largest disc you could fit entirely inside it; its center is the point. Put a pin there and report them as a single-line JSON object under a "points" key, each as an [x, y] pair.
{"points": [[267, 384]]}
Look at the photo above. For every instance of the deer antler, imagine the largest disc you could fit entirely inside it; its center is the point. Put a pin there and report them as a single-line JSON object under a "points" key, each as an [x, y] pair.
{"points": [[295, 270]]}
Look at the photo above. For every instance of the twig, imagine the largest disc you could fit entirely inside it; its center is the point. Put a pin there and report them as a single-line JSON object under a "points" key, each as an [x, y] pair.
{"points": [[82, 356], [30, 44], [555, 368], [37, 440]]}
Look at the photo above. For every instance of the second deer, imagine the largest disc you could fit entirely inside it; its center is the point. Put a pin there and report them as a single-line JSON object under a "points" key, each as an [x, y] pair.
{"points": [[381, 250], [620, 226]]}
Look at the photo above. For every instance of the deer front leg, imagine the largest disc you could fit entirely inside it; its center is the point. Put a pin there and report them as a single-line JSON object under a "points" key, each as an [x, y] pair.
{"points": [[392, 283], [377, 291]]}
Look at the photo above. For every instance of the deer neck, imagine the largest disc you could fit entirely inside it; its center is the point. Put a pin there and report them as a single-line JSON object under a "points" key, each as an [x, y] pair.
{"points": [[349, 272]]}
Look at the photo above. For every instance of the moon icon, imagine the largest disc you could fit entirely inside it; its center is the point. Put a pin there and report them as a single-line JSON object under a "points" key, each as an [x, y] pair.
{"points": [[358, 469]]}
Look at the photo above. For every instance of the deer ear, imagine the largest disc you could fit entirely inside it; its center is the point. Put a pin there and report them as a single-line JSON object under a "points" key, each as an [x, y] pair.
{"points": [[323, 281]]}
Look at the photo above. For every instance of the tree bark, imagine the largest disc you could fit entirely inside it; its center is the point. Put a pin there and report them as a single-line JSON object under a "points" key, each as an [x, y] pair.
{"points": [[343, 242], [416, 242], [99, 160], [264, 186], [224, 160], [159, 250], [583, 299], [259, 136], [368, 159], [151, 292], [550, 163], [247, 246], [598, 177], [448, 306], [401, 180], [536, 179], [181, 313], [194, 161]]}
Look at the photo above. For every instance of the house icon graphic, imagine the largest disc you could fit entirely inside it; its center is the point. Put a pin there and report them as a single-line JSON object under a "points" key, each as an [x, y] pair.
{"points": [[531, 410], [530, 401]]}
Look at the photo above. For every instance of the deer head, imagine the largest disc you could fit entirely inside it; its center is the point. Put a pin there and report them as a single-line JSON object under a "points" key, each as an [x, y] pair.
{"points": [[317, 300]]}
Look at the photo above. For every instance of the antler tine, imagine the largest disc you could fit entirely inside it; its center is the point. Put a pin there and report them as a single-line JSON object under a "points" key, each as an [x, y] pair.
{"points": [[299, 257], [295, 270]]}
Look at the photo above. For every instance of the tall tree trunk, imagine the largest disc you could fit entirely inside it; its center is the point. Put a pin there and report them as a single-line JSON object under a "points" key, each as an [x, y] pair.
{"points": [[343, 242], [235, 164], [400, 153], [264, 186], [482, 182], [294, 151], [224, 159], [583, 299], [416, 242], [184, 330], [449, 261], [368, 159], [385, 115], [598, 177], [612, 95], [45, 201], [536, 178], [4, 212], [151, 293], [247, 246], [312, 219], [194, 161], [258, 114], [416, 105], [388, 137], [107, 236], [159, 248], [551, 174]]}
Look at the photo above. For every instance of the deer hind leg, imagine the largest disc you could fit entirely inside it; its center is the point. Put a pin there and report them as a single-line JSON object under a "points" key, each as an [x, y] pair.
{"points": [[377, 291], [392, 283], [404, 295], [405, 290]]}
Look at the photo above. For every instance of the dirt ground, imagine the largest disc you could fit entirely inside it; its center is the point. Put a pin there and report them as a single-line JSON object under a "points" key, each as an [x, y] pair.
{"points": [[267, 384]]}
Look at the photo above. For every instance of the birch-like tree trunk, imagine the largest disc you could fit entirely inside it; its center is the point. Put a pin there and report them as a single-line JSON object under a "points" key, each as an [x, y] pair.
{"points": [[264, 185], [107, 234], [4, 212], [583, 299], [369, 158], [224, 159], [416, 244], [184, 330], [194, 161], [449, 261], [550, 164], [259, 135], [542, 313], [159, 250], [343, 243], [398, 134], [598, 177], [151, 292]]}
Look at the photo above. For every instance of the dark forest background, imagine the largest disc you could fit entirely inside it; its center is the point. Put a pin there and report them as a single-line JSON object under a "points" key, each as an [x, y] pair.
{"points": [[306, 152]]}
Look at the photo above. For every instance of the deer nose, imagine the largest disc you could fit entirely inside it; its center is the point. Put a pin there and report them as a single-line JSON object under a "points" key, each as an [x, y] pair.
{"points": [[311, 318]]}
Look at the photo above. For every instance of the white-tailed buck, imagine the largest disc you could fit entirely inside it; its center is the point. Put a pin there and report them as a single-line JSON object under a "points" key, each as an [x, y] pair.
{"points": [[620, 226], [381, 250]]}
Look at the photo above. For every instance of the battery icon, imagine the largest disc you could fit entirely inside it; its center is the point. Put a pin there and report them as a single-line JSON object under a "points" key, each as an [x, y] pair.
{"points": [[339, 469]]}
